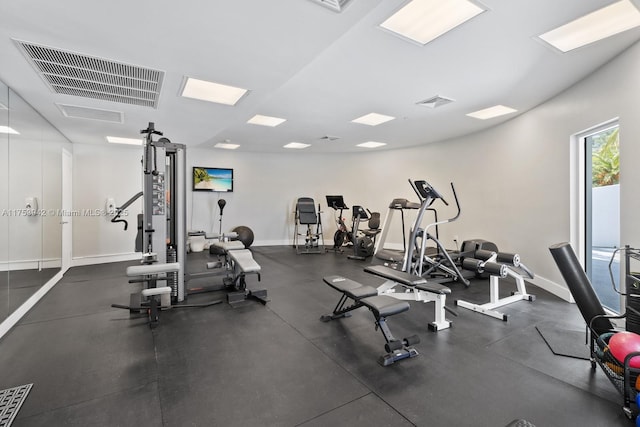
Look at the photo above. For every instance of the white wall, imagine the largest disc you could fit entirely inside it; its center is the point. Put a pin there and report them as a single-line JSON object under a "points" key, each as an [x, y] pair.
{"points": [[513, 180], [25, 177], [100, 172]]}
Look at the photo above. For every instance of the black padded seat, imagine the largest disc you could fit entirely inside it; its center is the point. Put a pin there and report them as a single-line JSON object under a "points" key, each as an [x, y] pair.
{"points": [[383, 306], [352, 289]]}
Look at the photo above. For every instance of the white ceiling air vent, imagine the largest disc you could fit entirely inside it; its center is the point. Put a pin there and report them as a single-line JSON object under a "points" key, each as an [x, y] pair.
{"points": [[86, 76], [435, 101], [78, 112], [335, 5]]}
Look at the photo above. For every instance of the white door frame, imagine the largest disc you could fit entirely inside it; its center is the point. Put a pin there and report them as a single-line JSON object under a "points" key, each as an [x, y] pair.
{"points": [[67, 206]]}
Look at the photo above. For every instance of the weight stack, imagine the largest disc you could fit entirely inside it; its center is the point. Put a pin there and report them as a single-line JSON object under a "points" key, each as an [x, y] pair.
{"points": [[172, 277], [633, 320]]}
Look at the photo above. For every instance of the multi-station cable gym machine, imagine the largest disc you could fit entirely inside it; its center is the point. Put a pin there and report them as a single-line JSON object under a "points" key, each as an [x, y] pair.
{"points": [[164, 228], [162, 234], [161, 227]]}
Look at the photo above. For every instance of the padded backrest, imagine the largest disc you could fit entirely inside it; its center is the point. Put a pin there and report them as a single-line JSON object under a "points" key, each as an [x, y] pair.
{"points": [[306, 209], [580, 287], [374, 221]]}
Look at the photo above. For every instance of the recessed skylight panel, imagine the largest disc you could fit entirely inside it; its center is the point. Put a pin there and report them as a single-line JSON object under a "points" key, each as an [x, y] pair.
{"points": [[261, 120], [373, 119], [127, 141], [212, 92], [9, 130], [595, 26], [491, 112], [371, 144], [425, 20], [297, 145], [226, 145]]}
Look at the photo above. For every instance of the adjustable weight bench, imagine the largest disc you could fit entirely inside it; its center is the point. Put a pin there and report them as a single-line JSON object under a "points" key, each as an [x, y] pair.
{"points": [[236, 264], [152, 299], [381, 306], [242, 263], [416, 288]]}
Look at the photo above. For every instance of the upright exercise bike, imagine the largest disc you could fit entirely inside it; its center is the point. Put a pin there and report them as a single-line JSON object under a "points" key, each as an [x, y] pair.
{"points": [[342, 234]]}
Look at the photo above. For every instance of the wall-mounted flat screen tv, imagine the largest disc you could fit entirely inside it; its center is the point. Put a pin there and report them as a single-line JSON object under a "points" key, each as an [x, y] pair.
{"points": [[212, 179]]}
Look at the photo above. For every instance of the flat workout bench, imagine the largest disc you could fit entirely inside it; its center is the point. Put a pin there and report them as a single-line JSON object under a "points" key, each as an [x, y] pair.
{"points": [[381, 306], [416, 288]]}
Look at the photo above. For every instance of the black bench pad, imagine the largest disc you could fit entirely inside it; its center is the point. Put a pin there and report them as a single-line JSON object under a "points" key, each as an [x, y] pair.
{"points": [[435, 288], [384, 306], [350, 287], [407, 279]]}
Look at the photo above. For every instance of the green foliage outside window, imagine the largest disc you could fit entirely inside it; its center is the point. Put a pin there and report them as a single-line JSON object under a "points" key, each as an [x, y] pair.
{"points": [[606, 159]]}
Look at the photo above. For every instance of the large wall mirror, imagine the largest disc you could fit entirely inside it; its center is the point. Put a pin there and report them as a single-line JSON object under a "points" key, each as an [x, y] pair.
{"points": [[30, 201]]}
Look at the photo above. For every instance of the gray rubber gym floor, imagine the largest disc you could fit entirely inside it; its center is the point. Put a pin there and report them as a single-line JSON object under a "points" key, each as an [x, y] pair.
{"points": [[278, 365]]}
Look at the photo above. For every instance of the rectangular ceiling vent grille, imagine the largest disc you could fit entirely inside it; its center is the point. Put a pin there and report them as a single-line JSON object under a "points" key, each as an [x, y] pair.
{"points": [[335, 5], [330, 138], [435, 101], [78, 112], [86, 76]]}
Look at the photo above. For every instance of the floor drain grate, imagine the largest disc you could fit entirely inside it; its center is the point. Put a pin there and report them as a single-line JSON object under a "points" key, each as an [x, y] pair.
{"points": [[11, 400]]}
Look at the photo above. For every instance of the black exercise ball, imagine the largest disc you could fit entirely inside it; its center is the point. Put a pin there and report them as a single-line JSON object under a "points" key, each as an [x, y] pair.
{"points": [[245, 235]]}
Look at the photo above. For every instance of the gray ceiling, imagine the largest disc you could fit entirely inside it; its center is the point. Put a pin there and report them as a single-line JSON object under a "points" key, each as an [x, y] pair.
{"points": [[317, 68]]}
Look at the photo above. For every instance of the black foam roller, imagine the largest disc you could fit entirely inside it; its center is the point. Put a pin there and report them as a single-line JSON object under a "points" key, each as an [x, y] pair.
{"points": [[509, 258], [580, 286], [483, 254], [472, 264], [495, 269]]}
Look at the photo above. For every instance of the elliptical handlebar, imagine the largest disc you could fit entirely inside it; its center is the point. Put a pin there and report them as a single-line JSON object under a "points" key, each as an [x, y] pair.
{"points": [[455, 197], [424, 190]]}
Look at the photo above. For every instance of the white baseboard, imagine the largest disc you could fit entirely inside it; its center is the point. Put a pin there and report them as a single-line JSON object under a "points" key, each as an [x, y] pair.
{"points": [[103, 259], [30, 264], [14, 317], [553, 287]]}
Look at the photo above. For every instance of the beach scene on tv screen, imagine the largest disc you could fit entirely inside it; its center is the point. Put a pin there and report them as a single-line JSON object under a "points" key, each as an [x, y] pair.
{"points": [[212, 179]]}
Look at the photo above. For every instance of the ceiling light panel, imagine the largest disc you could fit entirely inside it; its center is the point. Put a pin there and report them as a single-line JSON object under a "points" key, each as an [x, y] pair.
{"points": [[212, 92], [425, 20], [371, 144], [373, 119], [7, 129], [296, 145], [491, 112], [126, 141], [598, 25], [266, 120], [226, 146]]}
